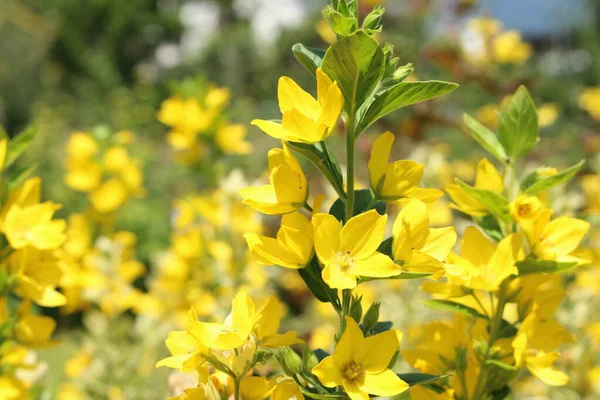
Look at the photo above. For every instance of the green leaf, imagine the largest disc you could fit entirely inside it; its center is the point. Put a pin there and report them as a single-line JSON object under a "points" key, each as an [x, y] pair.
{"points": [[381, 326], [401, 95], [501, 393], [489, 225], [506, 330], [386, 247], [18, 145], [518, 124], [485, 137], [16, 178], [492, 201], [538, 183], [537, 266], [446, 305], [341, 25], [309, 57], [328, 166], [311, 275], [417, 378], [362, 202], [356, 63]]}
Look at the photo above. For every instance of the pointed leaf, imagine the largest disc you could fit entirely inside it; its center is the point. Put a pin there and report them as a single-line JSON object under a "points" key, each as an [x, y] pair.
{"points": [[537, 266], [492, 201], [401, 95], [485, 137], [310, 58], [446, 305], [518, 124], [355, 62], [537, 183], [417, 378]]}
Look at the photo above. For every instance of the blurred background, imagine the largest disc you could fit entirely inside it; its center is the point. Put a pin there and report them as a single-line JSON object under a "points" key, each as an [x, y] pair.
{"points": [[106, 68]]}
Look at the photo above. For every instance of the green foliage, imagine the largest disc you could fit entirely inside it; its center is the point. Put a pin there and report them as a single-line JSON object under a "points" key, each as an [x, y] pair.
{"points": [[485, 137], [533, 265], [492, 201], [447, 305], [402, 95], [518, 124], [355, 63], [363, 202], [310, 58], [535, 182]]}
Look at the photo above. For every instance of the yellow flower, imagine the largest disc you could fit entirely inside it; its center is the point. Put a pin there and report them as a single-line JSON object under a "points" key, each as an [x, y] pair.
{"points": [[556, 239], [33, 330], [32, 225], [287, 190], [324, 30], [108, 197], [3, 150], [185, 115], [591, 188], [82, 145], [508, 47], [37, 274], [526, 208], [534, 344], [12, 389], [305, 119], [287, 389], [589, 100], [350, 251], [188, 244], [230, 139], [360, 365], [547, 114], [438, 341], [244, 320], [76, 366], [485, 265], [293, 247], [488, 178], [255, 388], [188, 351], [420, 248], [397, 180]]}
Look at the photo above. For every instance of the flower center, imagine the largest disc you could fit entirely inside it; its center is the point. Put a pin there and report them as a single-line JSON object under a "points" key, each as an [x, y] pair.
{"points": [[345, 261], [354, 371], [524, 210]]}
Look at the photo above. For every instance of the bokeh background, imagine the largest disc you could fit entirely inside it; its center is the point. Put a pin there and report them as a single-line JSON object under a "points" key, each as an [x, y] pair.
{"points": [[106, 67]]}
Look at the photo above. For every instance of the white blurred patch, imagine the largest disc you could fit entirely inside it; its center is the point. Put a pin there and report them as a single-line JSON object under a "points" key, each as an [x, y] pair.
{"points": [[201, 21], [269, 17]]}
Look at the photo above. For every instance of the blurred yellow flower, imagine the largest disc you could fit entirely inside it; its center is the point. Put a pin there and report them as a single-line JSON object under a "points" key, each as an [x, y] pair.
{"points": [[589, 100]]}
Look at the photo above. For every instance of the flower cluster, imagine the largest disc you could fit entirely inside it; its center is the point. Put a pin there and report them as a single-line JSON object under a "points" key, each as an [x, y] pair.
{"points": [[30, 270], [198, 125], [104, 169]]}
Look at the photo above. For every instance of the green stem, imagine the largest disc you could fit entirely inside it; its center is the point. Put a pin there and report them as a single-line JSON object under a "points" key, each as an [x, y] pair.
{"points": [[338, 185], [350, 142], [236, 389], [307, 207], [495, 326]]}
